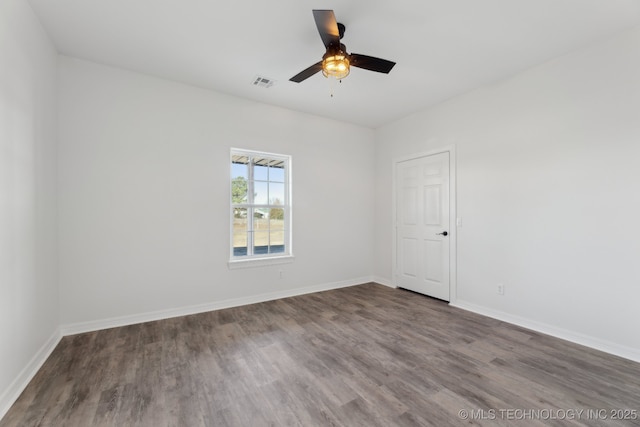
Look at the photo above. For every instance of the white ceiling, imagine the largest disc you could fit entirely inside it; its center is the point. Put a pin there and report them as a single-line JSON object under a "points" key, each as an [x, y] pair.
{"points": [[442, 47]]}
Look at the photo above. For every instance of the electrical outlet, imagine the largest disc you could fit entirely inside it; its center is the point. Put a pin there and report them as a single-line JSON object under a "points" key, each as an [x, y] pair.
{"points": [[500, 289]]}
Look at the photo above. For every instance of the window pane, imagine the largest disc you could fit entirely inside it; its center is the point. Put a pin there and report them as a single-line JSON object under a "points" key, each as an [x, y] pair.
{"points": [[260, 173], [238, 190], [276, 215], [276, 174], [276, 237], [239, 170], [239, 232], [239, 216], [261, 222], [276, 193], [260, 242], [277, 249], [239, 244], [261, 195]]}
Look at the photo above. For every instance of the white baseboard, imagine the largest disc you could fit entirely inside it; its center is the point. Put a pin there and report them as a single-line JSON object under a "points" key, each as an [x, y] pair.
{"points": [[567, 335], [95, 325], [19, 384], [383, 281], [11, 394]]}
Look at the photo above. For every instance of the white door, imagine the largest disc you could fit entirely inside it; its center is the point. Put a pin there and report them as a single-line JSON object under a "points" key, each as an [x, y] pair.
{"points": [[422, 225]]}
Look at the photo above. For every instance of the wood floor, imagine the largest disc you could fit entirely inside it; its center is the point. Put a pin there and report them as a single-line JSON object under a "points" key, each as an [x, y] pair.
{"points": [[360, 356]]}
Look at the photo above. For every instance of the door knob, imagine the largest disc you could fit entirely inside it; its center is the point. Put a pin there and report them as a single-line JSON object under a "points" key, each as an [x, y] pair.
{"points": [[444, 233]]}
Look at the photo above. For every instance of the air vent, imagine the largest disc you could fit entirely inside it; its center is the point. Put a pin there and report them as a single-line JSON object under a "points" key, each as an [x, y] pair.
{"points": [[263, 82]]}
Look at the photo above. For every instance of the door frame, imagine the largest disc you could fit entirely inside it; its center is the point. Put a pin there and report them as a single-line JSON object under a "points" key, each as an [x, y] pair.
{"points": [[453, 225]]}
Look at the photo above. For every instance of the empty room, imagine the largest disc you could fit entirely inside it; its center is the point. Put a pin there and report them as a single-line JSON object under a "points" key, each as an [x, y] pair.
{"points": [[358, 213]]}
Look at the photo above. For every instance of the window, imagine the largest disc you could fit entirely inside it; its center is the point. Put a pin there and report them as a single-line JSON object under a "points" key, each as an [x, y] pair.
{"points": [[260, 206]]}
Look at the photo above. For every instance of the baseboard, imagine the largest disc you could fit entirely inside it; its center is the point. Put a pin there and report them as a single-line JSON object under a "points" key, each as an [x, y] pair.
{"points": [[383, 281], [95, 325], [11, 394], [567, 335]]}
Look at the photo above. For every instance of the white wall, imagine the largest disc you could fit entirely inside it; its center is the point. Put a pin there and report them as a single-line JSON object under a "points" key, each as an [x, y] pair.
{"points": [[548, 191], [144, 189], [28, 285]]}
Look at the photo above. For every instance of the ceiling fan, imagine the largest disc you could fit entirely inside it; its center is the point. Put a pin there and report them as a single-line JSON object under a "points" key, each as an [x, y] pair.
{"points": [[336, 62]]}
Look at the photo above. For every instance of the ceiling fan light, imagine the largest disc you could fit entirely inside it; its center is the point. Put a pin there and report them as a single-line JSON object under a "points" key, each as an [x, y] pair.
{"points": [[336, 65]]}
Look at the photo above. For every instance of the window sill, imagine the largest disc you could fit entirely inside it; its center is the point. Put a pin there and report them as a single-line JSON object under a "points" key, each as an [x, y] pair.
{"points": [[259, 262]]}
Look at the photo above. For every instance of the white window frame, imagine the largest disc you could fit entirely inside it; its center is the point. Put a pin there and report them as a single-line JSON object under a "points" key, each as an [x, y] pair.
{"points": [[256, 260]]}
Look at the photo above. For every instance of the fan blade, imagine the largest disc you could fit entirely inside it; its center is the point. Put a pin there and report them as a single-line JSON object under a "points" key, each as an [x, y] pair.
{"points": [[307, 73], [327, 27], [371, 63]]}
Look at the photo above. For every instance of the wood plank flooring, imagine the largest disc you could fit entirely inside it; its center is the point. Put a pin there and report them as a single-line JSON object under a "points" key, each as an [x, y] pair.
{"points": [[360, 356]]}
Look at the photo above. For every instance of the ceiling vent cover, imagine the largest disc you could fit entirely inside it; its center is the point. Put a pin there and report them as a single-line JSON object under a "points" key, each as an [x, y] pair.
{"points": [[263, 82]]}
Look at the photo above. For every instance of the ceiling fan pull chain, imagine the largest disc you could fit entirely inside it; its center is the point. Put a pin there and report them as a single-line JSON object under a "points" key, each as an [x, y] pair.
{"points": [[331, 86]]}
